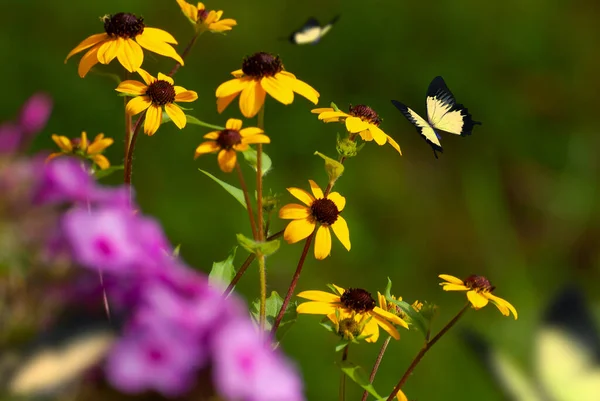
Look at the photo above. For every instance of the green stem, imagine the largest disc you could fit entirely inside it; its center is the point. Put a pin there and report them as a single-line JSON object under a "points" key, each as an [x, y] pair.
{"points": [[247, 199], [263, 292], [186, 52], [129, 159], [262, 271], [128, 118], [376, 365], [342, 391], [426, 347], [293, 284]]}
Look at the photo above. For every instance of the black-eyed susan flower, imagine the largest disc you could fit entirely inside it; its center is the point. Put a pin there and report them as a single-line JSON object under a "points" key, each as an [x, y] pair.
{"points": [[262, 73], [233, 138], [204, 19], [354, 303], [361, 120], [479, 292], [83, 148], [152, 96], [124, 36], [321, 213]]}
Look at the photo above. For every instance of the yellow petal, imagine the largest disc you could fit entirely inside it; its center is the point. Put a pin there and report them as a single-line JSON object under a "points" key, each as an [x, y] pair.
{"points": [[339, 200], [223, 102], [212, 135], [477, 299], [187, 96], [332, 114], [305, 90], [206, 147], [389, 317], [148, 79], [177, 115], [241, 147], [252, 99], [316, 190], [355, 124], [99, 145], [373, 329], [132, 87], [321, 296], [189, 10], [260, 138], [131, 55], [322, 242], [394, 144], [387, 326], [237, 73], [250, 131], [451, 279], [340, 290], [297, 230], [153, 118], [166, 78], [87, 43], [379, 136], [507, 306], [138, 104], [301, 195], [294, 211], [63, 142], [234, 124], [321, 110], [340, 229], [160, 35], [401, 396], [382, 301], [88, 60], [227, 160], [315, 308], [366, 135], [453, 287], [278, 90], [109, 49], [148, 41], [101, 161], [233, 86], [83, 144]]}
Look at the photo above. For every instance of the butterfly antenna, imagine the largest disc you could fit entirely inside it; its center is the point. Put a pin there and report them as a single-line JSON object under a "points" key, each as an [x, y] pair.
{"points": [[435, 153]]}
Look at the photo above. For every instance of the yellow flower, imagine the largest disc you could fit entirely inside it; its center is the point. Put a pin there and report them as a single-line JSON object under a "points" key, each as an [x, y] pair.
{"points": [[204, 19], [152, 96], [479, 292], [352, 303], [262, 73], [124, 34], [320, 209], [233, 138], [81, 147], [361, 120]]}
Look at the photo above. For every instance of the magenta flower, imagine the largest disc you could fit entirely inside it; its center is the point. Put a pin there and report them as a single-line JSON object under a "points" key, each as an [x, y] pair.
{"points": [[65, 180], [10, 137], [245, 367], [35, 113]]}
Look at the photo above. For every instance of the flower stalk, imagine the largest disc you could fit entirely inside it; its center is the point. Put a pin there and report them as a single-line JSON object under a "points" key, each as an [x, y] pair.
{"points": [[130, 149], [247, 199], [376, 365], [186, 51], [342, 392]]}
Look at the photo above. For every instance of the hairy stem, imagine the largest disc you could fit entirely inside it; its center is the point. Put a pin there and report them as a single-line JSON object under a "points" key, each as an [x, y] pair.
{"points": [[376, 365], [186, 51], [129, 159], [262, 316], [342, 391]]}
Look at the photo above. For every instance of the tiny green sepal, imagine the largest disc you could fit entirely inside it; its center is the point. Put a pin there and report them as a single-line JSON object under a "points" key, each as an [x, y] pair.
{"points": [[107, 171], [223, 272], [334, 168], [176, 251], [347, 148], [417, 320], [360, 377], [257, 247], [332, 288], [272, 307], [334, 106]]}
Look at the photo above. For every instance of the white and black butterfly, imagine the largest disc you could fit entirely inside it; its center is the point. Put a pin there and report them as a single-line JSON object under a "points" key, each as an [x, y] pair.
{"points": [[443, 114], [311, 32]]}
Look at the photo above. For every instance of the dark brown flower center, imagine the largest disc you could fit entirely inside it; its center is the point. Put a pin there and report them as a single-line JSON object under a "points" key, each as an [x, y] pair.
{"points": [[479, 283], [365, 113], [124, 25], [358, 300], [262, 64], [202, 14], [324, 211], [228, 138], [161, 92]]}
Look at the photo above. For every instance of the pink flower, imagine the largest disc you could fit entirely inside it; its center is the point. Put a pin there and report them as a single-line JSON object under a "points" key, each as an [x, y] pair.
{"points": [[65, 180], [35, 113]]}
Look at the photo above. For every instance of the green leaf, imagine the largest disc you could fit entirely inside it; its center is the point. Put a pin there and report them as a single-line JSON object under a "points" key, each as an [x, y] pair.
{"points": [[416, 318], [272, 307], [237, 193], [223, 272], [341, 346], [108, 171], [264, 248], [360, 377], [250, 156], [193, 120]]}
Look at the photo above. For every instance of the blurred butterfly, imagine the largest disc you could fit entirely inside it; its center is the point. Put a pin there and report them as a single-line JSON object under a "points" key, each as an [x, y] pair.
{"points": [[311, 32], [566, 356], [443, 114], [58, 358]]}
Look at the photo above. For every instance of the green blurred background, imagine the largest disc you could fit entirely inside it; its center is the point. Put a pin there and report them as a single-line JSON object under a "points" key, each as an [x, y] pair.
{"points": [[517, 201]]}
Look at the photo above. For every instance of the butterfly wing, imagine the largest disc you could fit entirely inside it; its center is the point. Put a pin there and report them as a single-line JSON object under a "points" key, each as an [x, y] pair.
{"points": [[328, 27], [309, 33], [423, 127], [444, 113]]}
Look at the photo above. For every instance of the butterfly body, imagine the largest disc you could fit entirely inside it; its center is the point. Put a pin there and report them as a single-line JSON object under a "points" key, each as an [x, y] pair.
{"points": [[311, 32], [443, 114]]}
